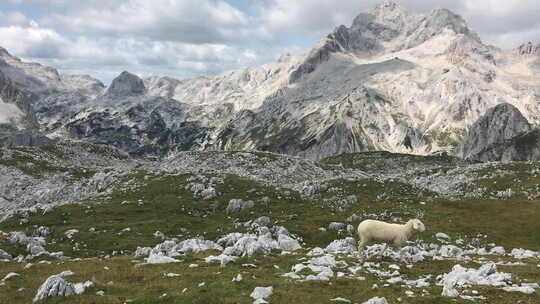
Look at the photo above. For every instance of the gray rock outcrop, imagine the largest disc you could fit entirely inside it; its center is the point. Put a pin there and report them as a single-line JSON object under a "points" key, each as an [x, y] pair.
{"points": [[237, 205], [4, 255], [54, 286], [499, 124], [24, 138], [126, 84]]}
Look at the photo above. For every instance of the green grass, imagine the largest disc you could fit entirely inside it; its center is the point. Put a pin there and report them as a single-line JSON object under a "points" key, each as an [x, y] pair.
{"points": [[380, 161], [168, 207]]}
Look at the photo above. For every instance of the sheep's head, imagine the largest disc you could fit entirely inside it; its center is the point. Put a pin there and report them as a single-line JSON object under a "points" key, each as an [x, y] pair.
{"points": [[418, 225]]}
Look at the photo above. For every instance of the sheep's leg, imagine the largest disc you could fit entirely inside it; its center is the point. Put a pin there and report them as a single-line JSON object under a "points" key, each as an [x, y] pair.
{"points": [[397, 244], [361, 245], [384, 250]]}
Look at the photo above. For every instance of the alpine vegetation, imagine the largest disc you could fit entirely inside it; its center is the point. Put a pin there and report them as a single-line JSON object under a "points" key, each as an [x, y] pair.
{"points": [[395, 162]]}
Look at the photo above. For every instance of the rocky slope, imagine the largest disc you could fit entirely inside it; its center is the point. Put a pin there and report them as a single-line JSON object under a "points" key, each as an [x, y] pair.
{"points": [[393, 80], [499, 124], [523, 147], [502, 134], [223, 224]]}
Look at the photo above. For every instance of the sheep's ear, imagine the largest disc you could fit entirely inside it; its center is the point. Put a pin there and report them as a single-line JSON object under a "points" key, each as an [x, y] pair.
{"points": [[416, 225]]}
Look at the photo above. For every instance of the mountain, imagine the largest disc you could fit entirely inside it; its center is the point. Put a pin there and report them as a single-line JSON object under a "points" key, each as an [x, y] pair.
{"points": [[393, 80], [498, 125]]}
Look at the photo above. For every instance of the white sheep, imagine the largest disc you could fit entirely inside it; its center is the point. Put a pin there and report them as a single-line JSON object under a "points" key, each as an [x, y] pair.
{"points": [[394, 234]]}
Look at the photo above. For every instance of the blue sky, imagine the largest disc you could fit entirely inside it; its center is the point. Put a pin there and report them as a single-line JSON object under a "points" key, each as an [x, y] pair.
{"points": [[188, 38]]}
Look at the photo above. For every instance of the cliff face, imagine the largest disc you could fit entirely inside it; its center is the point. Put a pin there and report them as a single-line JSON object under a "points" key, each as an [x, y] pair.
{"points": [[392, 80], [498, 125]]}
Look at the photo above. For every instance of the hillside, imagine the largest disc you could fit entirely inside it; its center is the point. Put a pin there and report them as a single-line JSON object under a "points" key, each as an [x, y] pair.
{"points": [[204, 204], [393, 80]]}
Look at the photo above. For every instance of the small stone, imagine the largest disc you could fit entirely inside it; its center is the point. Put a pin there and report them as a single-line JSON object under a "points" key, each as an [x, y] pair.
{"points": [[10, 275], [442, 235], [337, 226], [261, 292], [237, 278]]}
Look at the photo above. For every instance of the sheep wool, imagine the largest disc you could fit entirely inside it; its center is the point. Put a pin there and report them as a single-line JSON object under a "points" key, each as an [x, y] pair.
{"points": [[395, 234]]}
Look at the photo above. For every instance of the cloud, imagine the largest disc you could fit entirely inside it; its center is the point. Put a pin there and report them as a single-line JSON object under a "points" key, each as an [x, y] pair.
{"points": [[32, 41], [202, 21], [109, 55], [15, 18], [494, 20], [185, 38]]}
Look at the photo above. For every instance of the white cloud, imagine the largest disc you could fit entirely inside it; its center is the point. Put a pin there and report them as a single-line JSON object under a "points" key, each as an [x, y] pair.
{"points": [[110, 56], [15, 18], [32, 41], [308, 15], [494, 20], [202, 21], [194, 37]]}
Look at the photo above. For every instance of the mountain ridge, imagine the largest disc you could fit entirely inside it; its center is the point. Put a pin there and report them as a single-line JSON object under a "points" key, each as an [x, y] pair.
{"points": [[393, 80]]}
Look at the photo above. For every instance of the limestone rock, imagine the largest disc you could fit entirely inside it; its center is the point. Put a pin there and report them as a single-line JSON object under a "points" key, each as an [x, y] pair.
{"points": [[4, 255], [237, 205], [126, 84], [500, 123], [376, 300], [344, 246], [261, 292], [54, 286]]}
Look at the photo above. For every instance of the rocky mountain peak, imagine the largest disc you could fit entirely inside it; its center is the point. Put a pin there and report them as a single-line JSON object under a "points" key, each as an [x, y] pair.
{"points": [[386, 7], [528, 49], [385, 21], [443, 18], [3, 52], [387, 4], [126, 84]]}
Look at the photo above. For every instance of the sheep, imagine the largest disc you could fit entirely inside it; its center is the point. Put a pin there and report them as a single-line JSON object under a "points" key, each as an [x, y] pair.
{"points": [[395, 234]]}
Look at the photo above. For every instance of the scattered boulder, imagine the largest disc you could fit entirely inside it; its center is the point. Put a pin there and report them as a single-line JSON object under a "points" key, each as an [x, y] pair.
{"points": [[498, 250], [160, 259], [192, 246], [450, 251], [223, 259], [5, 256], [142, 251], [287, 243], [189, 246], [42, 231], [526, 288], [10, 275], [238, 278], [237, 205], [35, 249], [262, 241], [376, 300], [442, 235], [69, 233], [262, 221], [460, 276], [159, 235], [343, 246], [353, 218], [520, 253], [336, 226], [208, 193], [261, 293], [56, 286]]}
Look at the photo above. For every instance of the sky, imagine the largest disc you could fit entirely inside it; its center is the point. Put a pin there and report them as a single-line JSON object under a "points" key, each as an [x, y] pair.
{"points": [[189, 38]]}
